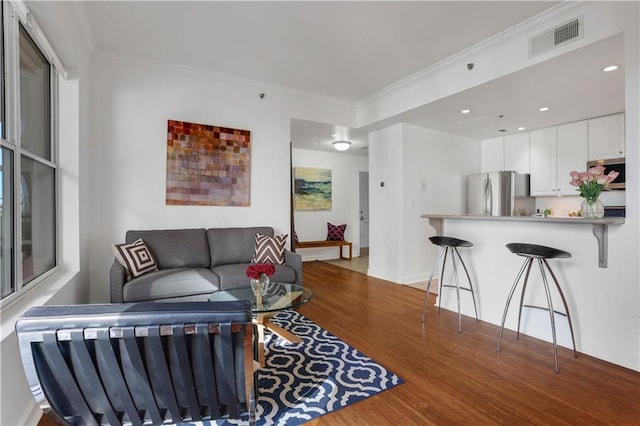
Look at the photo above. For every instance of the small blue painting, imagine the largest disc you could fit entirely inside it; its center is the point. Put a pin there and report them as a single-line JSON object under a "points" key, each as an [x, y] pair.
{"points": [[312, 189]]}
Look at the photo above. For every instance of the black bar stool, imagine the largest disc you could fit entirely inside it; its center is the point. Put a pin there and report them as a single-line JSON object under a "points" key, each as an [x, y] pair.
{"points": [[533, 252], [449, 245]]}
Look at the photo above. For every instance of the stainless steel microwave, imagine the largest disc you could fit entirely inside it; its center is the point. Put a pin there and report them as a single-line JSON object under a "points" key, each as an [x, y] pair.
{"points": [[613, 164]]}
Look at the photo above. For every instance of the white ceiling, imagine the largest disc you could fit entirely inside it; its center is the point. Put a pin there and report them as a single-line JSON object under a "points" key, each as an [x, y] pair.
{"points": [[346, 50], [351, 50], [573, 87]]}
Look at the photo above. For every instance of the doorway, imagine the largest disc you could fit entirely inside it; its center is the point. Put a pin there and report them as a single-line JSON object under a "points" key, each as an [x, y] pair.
{"points": [[363, 185], [360, 263], [363, 179]]}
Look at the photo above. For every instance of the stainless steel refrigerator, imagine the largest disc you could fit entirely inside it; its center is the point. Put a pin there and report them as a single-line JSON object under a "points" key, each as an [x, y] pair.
{"points": [[499, 194]]}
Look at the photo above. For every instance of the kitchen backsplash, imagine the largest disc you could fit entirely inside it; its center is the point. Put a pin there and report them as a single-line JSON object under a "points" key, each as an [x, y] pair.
{"points": [[561, 206]]}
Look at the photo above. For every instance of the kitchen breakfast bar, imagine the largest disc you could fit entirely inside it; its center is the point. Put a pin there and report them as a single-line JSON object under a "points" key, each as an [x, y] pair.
{"points": [[589, 278], [599, 226]]}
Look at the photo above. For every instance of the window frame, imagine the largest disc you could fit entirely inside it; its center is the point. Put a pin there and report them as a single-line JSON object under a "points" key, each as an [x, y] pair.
{"points": [[14, 17]]}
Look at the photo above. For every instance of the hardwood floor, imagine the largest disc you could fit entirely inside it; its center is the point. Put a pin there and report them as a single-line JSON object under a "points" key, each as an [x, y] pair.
{"points": [[453, 378]]}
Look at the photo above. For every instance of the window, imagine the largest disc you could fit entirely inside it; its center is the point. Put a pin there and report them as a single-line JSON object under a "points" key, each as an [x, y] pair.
{"points": [[2, 70], [28, 244], [6, 221], [35, 98], [37, 204]]}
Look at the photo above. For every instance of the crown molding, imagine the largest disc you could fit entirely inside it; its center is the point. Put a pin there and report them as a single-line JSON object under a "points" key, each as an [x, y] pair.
{"points": [[528, 27], [83, 24]]}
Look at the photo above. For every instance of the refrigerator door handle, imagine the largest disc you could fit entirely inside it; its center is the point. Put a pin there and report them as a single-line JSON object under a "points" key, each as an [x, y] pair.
{"points": [[488, 197]]}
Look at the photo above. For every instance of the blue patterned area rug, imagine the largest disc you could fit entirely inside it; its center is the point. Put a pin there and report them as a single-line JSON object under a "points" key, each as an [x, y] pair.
{"points": [[306, 380], [322, 374]]}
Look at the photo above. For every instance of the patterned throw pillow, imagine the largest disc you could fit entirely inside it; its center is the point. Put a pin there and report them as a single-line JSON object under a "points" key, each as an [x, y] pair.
{"points": [[136, 258], [335, 232], [269, 249]]}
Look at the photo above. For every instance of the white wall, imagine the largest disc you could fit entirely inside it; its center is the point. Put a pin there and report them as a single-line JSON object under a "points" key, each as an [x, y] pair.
{"points": [[311, 225], [628, 237], [435, 166], [385, 201], [131, 103], [423, 171]]}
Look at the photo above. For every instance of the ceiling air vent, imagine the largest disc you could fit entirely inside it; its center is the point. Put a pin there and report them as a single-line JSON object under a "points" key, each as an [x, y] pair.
{"points": [[555, 37]]}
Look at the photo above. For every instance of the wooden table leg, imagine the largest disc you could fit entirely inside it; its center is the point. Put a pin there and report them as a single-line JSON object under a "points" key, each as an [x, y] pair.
{"points": [[260, 328], [263, 322], [286, 335]]}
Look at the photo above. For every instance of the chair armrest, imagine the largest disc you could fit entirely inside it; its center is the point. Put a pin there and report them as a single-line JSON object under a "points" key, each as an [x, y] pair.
{"points": [[117, 279], [294, 260]]}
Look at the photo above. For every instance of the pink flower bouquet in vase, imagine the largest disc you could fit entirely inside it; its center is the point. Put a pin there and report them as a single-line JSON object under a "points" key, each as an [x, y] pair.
{"points": [[591, 184], [259, 274]]}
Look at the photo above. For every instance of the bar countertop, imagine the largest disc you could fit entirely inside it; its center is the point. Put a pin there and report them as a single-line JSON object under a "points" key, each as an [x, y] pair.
{"points": [[547, 219], [599, 226]]}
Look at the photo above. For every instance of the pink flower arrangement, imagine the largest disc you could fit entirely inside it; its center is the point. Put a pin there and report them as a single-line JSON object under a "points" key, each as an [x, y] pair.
{"points": [[257, 269], [592, 182]]}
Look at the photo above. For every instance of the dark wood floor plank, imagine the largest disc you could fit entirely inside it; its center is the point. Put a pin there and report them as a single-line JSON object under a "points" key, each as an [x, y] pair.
{"points": [[454, 378]]}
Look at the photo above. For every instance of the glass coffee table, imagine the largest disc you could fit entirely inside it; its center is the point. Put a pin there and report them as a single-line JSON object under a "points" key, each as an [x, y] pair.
{"points": [[277, 297]]}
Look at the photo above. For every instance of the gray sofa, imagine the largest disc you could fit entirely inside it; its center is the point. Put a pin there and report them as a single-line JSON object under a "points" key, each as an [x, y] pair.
{"points": [[193, 263]]}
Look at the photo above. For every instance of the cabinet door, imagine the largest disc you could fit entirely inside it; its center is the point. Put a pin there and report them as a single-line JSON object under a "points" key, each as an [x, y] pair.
{"points": [[571, 154], [492, 155], [606, 137], [543, 161], [516, 152]]}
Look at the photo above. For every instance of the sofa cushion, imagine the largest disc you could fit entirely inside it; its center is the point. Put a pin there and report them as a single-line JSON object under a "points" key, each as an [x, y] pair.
{"points": [[170, 283], [233, 245], [175, 248], [269, 249], [236, 275], [135, 257]]}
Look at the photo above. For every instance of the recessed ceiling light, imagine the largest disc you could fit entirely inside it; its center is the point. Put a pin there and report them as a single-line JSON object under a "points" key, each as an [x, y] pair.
{"points": [[465, 111], [522, 128], [610, 68], [543, 109]]}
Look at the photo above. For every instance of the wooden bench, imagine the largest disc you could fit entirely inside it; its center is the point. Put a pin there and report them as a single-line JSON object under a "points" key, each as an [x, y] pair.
{"points": [[328, 243]]}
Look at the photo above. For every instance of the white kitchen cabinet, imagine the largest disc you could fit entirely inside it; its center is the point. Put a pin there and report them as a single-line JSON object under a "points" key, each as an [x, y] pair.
{"points": [[571, 154], [516, 152], [505, 153], [492, 155], [543, 162], [555, 152], [606, 137]]}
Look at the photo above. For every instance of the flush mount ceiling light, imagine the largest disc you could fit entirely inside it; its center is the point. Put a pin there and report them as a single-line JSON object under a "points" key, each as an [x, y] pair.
{"points": [[341, 145], [465, 111], [543, 109], [610, 68]]}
